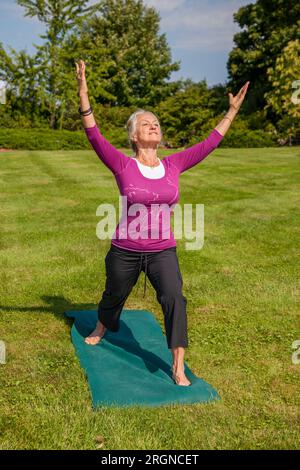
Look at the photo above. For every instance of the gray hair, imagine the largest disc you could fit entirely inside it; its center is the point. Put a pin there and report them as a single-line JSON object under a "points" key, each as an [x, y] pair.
{"points": [[131, 126]]}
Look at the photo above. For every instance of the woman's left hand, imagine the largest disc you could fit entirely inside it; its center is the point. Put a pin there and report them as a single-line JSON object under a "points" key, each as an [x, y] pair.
{"points": [[235, 102]]}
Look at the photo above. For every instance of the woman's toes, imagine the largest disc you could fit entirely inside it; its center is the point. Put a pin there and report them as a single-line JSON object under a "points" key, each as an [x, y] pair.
{"points": [[92, 340], [181, 380], [95, 336]]}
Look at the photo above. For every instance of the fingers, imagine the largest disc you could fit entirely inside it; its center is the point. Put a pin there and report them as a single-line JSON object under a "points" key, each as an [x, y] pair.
{"points": [[241, 94], [80, 64], [244, 88], [80, 69], [241, 91]]}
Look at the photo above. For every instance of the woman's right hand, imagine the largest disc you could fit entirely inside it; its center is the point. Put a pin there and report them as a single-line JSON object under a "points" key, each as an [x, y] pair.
{"points": [[81, 80]]}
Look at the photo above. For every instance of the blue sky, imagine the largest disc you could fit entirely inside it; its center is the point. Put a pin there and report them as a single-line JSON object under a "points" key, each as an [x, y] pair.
{"points": [[199, 33]]}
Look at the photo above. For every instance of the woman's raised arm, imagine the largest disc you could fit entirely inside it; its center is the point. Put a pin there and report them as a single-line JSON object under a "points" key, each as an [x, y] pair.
{"points": [[235, 102], [115, 160], [87, 121]]}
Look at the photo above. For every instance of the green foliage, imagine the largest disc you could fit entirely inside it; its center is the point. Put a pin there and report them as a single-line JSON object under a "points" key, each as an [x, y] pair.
{"points": [[129, 67], [42, 139], [19, 71], [285, 79], [238, 138], [250, 132], [184, 114], [126, 65], [128, 61], [189, 116], [48, 139], [267, 27], [52, 76]]}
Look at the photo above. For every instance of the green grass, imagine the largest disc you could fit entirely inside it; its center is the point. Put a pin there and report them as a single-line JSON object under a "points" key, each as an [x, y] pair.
{"points": [[243, 303]]}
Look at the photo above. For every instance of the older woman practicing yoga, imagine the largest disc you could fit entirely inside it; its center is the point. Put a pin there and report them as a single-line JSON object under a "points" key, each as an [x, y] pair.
{"points": [[147, 180]]}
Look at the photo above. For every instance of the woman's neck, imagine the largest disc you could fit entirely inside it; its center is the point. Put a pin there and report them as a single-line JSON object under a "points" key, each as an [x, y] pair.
{"points": [[148, 156]]}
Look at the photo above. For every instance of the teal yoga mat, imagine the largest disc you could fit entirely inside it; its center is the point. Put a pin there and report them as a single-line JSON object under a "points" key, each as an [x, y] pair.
{"points": [[134, 365]]}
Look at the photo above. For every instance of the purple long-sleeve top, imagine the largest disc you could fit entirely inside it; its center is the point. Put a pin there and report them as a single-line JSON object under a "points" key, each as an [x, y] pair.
{"points": [[134, 231]]}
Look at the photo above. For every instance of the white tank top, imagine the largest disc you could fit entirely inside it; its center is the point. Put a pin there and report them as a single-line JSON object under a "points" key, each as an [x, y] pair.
{"points": [[152, 173]]}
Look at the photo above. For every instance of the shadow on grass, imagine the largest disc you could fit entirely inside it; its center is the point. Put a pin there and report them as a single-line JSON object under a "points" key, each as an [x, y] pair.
{"points": [[57, 305]]}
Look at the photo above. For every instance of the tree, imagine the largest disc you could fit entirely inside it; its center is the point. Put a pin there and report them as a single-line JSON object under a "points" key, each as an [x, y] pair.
{"points": [[59, 17], [284, 79], [186, 116], [124, 34], [128, 61], [18, 70], [267, 27]]}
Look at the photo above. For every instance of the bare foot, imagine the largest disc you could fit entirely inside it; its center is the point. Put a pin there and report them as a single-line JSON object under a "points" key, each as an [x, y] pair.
{"points": [[96, 335], [180, 378]]}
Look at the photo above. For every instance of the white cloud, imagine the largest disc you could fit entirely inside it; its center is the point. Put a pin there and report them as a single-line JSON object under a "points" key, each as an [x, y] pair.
{"points": [[194, 24]]}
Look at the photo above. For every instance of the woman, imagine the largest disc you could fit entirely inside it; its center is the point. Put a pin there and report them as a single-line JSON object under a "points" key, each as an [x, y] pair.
{"points": [[147, 180]]}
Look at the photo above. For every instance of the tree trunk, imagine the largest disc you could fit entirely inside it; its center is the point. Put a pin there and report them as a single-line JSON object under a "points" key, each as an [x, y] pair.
{"points": [[52, 120]]}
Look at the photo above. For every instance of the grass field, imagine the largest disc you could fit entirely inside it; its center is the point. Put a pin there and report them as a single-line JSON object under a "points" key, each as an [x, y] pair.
{"points": [[243, 304]]}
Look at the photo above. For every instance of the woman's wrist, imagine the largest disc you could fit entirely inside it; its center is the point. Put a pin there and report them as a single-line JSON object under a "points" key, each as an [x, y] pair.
{"points": [[226, 121], [231, 113]]}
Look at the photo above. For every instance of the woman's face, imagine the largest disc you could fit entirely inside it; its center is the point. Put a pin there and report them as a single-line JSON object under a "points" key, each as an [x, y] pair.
{"points": [[147, 133]]}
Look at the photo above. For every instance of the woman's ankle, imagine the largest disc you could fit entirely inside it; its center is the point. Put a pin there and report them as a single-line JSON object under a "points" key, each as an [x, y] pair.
{"points": [[178, 368]]}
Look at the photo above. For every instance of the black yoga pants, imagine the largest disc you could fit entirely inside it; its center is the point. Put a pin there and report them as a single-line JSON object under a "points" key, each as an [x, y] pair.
{"points": [[123, 268]]}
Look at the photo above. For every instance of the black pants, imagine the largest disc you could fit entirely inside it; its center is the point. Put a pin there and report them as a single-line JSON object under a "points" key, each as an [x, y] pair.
{"points": [[162, 269]]}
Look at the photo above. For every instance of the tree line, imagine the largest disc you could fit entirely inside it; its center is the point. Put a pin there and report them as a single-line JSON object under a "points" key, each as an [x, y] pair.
{"points": [[129, 65]]}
